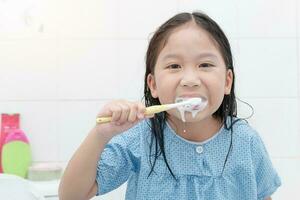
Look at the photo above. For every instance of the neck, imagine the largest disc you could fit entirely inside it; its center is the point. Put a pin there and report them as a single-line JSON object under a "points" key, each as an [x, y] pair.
{"points": [[195, 131]]}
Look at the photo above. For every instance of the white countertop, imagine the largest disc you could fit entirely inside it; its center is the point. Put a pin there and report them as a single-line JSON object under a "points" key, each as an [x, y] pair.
{"points": [[47, 188], [14, 187]]}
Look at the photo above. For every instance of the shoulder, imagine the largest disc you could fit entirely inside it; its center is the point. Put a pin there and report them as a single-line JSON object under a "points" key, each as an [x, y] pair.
{"points": [[244, 132], [125, 148], [264, 173], [248, 138], [131, 137]]}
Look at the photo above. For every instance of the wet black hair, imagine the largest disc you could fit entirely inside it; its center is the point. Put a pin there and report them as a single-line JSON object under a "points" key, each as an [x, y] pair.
{"points": [[228, 107]]}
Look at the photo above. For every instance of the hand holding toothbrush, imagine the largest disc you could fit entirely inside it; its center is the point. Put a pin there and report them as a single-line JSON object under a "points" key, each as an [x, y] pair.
{"points": [[123, 115]]}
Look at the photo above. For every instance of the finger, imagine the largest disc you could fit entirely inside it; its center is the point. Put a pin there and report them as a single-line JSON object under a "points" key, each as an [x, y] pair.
{"points": [[116, 113], [133, 113], [124, 114], [141, 110], [149, 116]]}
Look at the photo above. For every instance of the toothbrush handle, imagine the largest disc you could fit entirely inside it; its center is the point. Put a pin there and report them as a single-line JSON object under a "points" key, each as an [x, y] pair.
{"points": [[102, 120], [149, 111], [156, 109]]}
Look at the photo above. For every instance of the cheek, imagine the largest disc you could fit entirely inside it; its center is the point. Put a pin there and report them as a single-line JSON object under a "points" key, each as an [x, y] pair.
{"points": [[165, 89], [217, 93]]}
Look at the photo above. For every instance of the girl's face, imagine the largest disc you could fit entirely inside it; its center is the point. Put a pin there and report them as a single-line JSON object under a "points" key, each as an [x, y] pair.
{"points": [[190, 65]]}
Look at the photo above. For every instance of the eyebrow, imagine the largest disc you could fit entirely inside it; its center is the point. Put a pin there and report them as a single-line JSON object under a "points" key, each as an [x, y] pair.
{"points": [[202, 55]]}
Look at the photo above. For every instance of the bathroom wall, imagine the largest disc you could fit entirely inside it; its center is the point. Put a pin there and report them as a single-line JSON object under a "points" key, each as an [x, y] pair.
{"points": [[61, 60]]}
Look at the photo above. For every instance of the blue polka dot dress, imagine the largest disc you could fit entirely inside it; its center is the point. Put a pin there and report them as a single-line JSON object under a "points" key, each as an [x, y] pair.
{"points": [[248, 173]]}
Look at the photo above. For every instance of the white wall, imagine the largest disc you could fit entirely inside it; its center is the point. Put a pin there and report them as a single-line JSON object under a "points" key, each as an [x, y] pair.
{"points": [[73, 56]]}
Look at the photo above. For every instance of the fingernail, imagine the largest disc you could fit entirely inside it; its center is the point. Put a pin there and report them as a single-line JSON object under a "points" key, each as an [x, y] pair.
{"points": [[140, 116]]}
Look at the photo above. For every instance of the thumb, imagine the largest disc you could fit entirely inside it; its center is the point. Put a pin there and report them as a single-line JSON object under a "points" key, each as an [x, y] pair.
{"points": [[149, 116]]}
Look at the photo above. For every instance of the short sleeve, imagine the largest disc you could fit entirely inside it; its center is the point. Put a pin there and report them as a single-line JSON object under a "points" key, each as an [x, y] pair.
{"points": [[118, 160], [267, 179]]}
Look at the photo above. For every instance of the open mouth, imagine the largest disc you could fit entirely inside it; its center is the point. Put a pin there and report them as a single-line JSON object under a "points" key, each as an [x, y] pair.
{"points": [[199, 103], [193, 105]]}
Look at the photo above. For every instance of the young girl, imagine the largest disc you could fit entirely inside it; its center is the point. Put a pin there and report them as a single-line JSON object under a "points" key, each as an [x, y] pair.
{"points": [[212, 156]]}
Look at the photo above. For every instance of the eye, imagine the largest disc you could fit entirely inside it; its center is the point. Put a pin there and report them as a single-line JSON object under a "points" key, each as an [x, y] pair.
{"points": [[174, 66], [205, 65]]}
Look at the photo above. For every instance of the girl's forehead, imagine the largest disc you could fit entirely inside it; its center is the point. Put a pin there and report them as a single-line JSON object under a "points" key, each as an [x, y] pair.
{"points": [[190, 35], [189, 40]]}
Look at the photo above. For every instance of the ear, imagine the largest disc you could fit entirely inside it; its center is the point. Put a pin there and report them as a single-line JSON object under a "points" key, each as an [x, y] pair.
{"points": [[152, 85], [228, 81]]}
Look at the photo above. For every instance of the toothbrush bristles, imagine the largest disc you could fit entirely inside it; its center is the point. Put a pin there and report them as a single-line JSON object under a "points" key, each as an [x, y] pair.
{"points": [[196, 107]]}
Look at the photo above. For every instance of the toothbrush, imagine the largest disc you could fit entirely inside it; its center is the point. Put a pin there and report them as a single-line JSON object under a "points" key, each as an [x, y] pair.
{"points": [[192, 102]]}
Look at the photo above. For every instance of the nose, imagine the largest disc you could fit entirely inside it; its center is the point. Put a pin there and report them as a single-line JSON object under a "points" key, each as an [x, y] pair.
{"points": [[190, 78]]}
